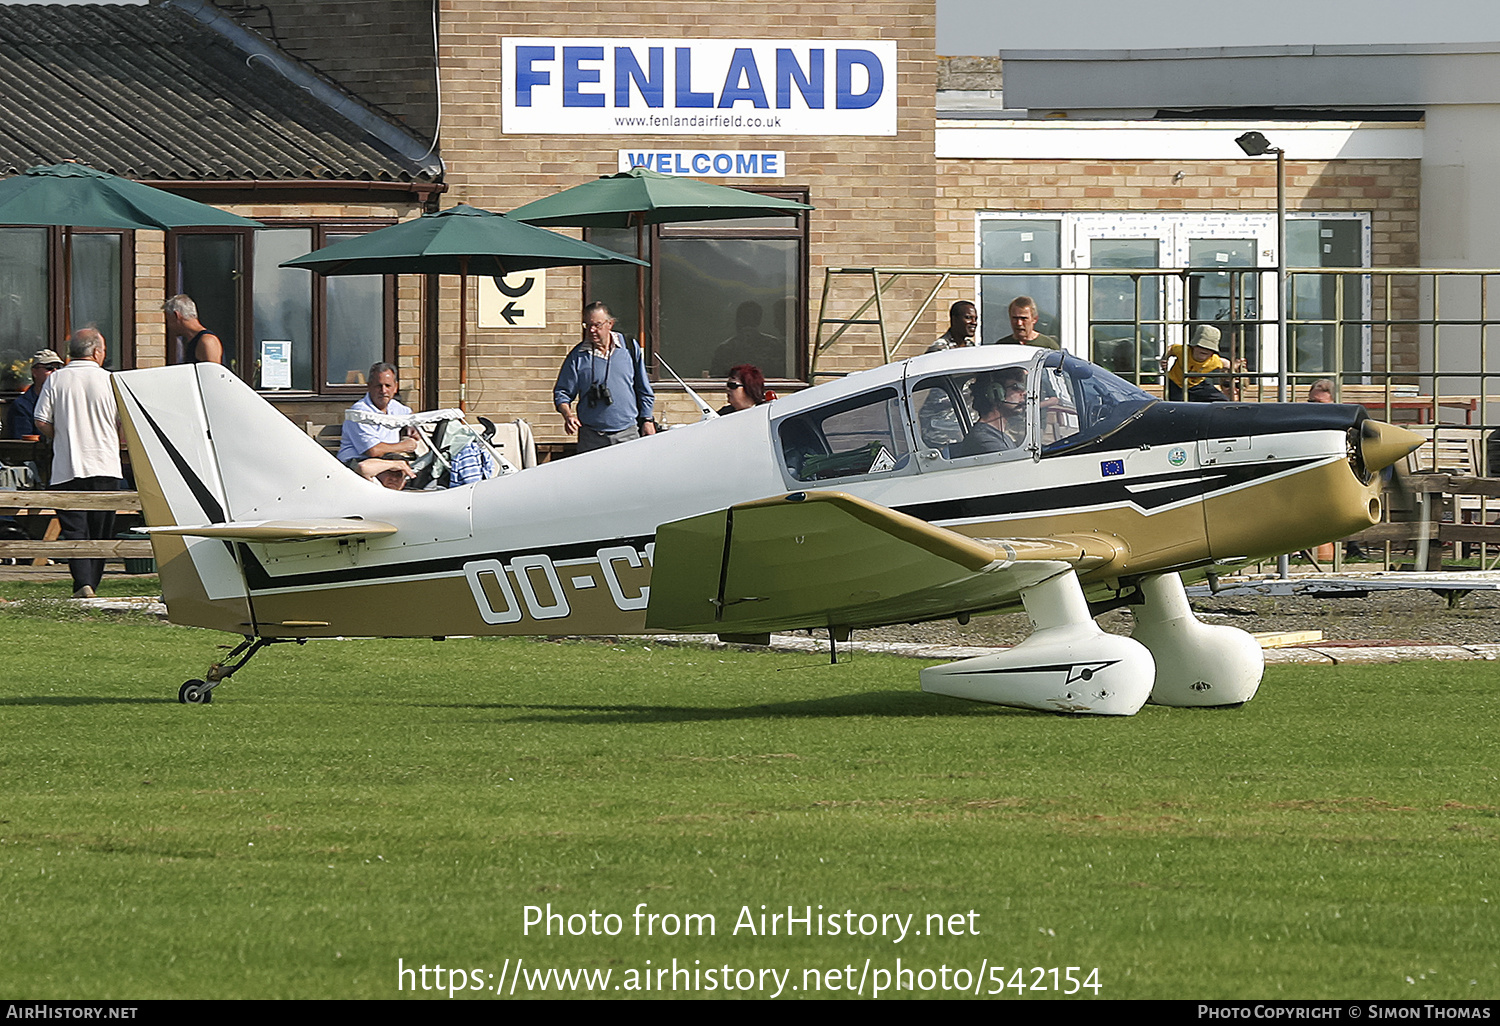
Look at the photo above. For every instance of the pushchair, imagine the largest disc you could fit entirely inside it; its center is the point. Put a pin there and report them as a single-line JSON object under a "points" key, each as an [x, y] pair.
{"points": [[454, 452]]}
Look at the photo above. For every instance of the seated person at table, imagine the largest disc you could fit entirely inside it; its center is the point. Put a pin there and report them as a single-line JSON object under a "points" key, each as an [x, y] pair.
{"points": [[365, 441], [19, 422]]}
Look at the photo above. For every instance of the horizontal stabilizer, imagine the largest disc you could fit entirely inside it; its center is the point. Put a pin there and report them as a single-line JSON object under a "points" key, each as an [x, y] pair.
{"points": [[816, 559], [280, 530]]}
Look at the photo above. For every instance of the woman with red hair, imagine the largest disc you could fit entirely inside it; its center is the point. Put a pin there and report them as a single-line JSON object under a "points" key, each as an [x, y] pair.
{"points": [[745, 387]]}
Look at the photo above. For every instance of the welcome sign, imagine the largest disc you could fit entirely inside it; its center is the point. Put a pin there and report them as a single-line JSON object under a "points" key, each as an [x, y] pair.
{"points": [[751, 87]]}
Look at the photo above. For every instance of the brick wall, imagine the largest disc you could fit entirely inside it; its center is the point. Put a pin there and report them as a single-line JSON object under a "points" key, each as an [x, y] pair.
{"points": [[874, 196]]}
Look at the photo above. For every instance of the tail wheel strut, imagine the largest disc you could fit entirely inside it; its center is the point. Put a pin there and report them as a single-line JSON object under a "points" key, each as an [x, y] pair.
{"points": [[201, 692]]}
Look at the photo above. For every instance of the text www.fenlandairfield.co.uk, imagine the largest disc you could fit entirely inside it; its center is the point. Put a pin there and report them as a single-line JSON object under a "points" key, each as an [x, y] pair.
{"points": [[691, 975]]}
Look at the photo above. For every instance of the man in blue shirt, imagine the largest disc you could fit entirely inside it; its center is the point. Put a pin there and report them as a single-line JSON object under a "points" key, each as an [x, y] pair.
{"points": [[602, 390], [363, 441], [19, 422]]}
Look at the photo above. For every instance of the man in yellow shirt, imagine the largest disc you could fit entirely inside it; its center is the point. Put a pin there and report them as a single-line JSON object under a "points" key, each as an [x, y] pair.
{"points": [[1188, 370]]}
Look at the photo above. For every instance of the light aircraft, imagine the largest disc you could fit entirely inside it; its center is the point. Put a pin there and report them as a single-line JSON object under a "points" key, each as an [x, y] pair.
{"points": [[857, 503]]}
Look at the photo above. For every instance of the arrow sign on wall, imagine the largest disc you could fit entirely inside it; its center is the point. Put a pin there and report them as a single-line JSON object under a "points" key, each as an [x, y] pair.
{"points": [[500, 305]]}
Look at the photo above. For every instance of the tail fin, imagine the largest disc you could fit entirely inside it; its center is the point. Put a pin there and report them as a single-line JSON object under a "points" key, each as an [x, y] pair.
{"points": [[206, 449]]}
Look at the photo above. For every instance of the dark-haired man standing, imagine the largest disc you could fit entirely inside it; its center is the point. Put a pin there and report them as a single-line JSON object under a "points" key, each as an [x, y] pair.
{"points": [[963, 323]]}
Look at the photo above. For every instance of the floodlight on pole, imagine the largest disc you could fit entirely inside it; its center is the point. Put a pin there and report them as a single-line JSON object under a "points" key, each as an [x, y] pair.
{"points": [[1254, 144]]}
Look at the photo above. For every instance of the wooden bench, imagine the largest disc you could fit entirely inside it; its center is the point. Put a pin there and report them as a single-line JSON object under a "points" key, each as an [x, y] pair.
{"points": [[50, 546], [1446, 504], [329, 436]]}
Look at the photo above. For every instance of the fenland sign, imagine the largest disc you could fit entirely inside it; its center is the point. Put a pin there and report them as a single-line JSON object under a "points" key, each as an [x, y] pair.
{"points": [[750, 87]]}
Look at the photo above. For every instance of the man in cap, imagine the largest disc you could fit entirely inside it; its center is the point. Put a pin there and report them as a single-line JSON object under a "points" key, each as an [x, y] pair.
{"points": [[77, 411], [19, 422], [1188, 370]]}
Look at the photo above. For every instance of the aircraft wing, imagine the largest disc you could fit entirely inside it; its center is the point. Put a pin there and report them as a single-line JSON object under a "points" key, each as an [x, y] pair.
{"points": [[818, 559], [280, 530]]}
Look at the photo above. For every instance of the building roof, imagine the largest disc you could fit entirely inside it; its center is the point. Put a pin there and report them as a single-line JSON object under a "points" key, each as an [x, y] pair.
{"points": [[1356, 81], [154, 93]]}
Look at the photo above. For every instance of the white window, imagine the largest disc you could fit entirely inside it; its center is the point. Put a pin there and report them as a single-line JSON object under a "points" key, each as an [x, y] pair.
{"points": [[1124, 321]]}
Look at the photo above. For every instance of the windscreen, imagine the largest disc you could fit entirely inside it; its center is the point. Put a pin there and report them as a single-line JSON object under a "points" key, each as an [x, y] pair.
{"points": [[1083, 401]]}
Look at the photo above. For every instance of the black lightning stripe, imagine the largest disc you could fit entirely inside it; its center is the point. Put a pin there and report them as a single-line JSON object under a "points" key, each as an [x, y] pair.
{"points": [[1169, 489], [206, 501]]}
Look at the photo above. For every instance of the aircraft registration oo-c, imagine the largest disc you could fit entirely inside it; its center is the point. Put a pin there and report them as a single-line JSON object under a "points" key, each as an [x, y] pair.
{"points": [[920, 490]]}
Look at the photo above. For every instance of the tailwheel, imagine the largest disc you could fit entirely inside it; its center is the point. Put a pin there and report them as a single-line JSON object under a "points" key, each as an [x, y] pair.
{"points": [[200, 692], [195, 692]]}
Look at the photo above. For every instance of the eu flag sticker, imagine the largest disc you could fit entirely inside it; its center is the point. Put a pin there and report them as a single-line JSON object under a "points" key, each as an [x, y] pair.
{"points": [[1112, 468]]}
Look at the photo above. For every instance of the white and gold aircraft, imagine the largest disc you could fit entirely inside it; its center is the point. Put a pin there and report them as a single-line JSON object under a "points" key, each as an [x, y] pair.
{"points": [[954, 483]]}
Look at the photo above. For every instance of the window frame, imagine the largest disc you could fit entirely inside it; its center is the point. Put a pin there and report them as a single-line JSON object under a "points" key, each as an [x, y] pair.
{"points": [[932, 455], [811, 421], [58, 313], [246, 353], [800, 231]]}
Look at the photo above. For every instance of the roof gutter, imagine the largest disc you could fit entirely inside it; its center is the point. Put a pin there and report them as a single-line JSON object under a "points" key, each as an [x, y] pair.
{"points": [[247, 42], [424, 191]]}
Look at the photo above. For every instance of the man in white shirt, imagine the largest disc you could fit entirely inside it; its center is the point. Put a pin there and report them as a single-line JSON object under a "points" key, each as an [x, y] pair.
{"points": [[369, 441], [77, 411]]}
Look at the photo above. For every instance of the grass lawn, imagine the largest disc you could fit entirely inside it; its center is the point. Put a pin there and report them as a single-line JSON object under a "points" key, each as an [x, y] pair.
{"points": [[346, 809]]}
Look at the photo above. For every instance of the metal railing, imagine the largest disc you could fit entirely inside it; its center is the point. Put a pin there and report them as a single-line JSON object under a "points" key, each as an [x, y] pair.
{"points": [[1412, 331], [1415, 346]]}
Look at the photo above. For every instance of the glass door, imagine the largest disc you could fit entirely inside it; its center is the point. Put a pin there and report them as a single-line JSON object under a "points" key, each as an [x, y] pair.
{"points": [[1229, 293], [1021, 243], [1125, 314], [1318, 303], [208, 271]]}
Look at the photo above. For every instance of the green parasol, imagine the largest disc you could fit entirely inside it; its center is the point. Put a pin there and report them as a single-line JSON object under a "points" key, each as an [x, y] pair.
{"points": [[77, 196], [461, 240]]}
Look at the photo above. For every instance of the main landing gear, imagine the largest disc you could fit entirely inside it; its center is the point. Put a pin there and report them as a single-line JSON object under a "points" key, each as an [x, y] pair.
{"points": [[201, 692], [1070, 665]]}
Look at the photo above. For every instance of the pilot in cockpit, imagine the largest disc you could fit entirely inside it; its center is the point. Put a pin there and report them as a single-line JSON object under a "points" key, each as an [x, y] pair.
{"points": [[1000, 405]]}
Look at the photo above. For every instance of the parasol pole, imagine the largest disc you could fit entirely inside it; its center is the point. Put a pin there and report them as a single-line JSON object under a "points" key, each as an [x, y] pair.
{"points": [[463, 333], [639, 218]]}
